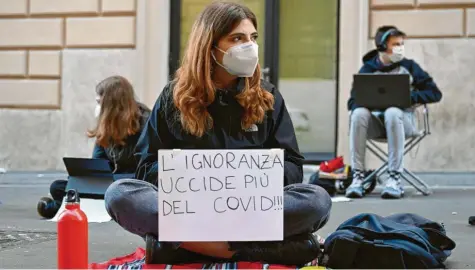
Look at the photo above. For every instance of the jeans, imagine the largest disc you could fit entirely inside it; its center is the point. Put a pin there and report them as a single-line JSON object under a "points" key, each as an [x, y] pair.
{"points": [[394, 124], [133, 204]]}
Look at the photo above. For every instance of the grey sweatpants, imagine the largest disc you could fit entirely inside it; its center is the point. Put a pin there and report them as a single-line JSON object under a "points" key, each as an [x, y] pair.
{"points": [[394, 124], [133, 204]]}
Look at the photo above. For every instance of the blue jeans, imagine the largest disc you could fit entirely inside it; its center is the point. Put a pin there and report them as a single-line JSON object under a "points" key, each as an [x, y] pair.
{"points": [[133, 204], [394, 124]]}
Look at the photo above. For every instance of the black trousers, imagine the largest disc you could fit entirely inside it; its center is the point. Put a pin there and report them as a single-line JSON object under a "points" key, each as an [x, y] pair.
{"points": [[58, 190]]}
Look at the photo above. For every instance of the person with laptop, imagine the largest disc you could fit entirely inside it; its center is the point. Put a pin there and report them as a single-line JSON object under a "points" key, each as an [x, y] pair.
{"points": [[385, 93], [120, 119], [218, 100]]}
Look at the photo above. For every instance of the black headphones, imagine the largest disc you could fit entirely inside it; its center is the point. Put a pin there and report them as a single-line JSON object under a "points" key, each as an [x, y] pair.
{"points": [[381, 38]]}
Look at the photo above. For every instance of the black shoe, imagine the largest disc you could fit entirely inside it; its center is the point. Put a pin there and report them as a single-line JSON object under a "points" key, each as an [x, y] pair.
{"points": [[164, 253], [296, 250], [47, 207]]}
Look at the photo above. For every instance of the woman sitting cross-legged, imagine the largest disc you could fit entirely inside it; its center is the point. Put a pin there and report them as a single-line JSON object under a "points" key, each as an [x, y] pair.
{"points": [[120, 118], [218, 101]]}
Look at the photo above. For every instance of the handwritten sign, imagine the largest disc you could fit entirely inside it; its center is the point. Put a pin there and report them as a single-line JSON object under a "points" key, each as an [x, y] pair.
{"points": [[220, 195]]}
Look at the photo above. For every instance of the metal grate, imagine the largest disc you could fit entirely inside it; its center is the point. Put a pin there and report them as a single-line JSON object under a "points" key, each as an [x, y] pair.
{"points": [[11, 238]]}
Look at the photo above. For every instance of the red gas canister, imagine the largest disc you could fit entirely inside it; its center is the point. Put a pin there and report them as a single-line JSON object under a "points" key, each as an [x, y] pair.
{"points": [[72, 234]]}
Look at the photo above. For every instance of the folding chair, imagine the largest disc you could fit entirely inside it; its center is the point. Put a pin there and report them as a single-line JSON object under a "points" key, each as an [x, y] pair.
{"points": [[411, 142]]}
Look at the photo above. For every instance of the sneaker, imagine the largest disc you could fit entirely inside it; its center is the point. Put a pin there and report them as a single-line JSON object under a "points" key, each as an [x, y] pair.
{"points": [[356, 190], [296, 250], [164, 253], [47, 207], [393, 189]]}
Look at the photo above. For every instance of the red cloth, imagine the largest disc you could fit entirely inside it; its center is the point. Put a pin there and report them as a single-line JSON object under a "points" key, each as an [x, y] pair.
{"points": [[136, 260], [332, 165]]}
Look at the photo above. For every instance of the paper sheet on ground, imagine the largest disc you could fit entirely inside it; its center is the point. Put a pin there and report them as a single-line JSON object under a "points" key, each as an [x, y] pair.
{"points": [[340, 199], [95, 211], [220, 195]]}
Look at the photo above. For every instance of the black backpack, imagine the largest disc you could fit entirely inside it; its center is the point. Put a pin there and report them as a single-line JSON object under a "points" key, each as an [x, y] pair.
{"points": [[402, 241]]}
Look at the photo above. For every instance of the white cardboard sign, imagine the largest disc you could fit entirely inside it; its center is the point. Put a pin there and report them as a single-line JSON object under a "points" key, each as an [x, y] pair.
{"points": [[220, 195]]}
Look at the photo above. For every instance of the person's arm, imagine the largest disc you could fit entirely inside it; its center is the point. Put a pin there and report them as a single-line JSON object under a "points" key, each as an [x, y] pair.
{"points": [[99, 152], [282, 135], [155, 135], [351, 105], [426, 91]]}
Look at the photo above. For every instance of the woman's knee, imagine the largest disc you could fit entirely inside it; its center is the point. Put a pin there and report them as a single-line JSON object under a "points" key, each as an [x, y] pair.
{"points": [[116, 196], [131, 198], [321, 205], [313, 202], [133, 204]]}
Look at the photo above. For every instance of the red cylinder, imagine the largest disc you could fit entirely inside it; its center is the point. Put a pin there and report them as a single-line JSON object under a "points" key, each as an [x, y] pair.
{"points": [[72, 235]]}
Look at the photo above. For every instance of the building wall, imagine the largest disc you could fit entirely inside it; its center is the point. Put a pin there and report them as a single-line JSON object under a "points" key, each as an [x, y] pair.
{"points": [[52, 54], [441, 39]]}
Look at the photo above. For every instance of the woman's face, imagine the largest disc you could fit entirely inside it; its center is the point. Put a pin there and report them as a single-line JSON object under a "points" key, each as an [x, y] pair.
{"points": [[243, 33]]}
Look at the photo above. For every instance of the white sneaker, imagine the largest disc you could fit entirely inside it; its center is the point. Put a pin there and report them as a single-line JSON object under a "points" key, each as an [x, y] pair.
{"points": [[355, 190], [393, 189]]}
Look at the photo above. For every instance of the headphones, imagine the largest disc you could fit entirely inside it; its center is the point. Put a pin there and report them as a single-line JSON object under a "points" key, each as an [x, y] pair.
{"points": [[381, 38]]}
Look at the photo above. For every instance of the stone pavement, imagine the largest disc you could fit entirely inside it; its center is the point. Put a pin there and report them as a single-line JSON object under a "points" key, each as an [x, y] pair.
{"points": [[26, 241]]}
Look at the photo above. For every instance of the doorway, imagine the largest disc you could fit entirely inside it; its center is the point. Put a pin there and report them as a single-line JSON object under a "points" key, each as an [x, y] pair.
{"points": [[298, 51]]}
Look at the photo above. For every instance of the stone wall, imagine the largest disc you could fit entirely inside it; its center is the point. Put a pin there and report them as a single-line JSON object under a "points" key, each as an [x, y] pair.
{"points": [[441, 38], [426, 18], [52, 53]]}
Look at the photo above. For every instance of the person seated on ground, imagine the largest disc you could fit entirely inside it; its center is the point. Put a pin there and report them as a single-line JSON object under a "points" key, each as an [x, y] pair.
{"points": [[217, 100], [393, 123], [120, 119]]}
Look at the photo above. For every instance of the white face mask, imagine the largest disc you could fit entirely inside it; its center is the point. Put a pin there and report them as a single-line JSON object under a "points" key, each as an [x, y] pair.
{"points": [[97, 110], [397, 55], [240, 60]]}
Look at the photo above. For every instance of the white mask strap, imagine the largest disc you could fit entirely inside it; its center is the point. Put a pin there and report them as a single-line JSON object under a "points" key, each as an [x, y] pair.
{"points": [[215, 60], [220, 50]]}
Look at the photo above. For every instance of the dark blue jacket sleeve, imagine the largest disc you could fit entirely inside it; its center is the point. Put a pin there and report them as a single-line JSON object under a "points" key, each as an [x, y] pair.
{"points": [[155, 135], [99, 152], [426, 91], [351, 105], [283, 136]]}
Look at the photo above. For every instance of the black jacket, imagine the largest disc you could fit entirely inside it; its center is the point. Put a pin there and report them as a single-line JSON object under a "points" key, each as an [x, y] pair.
{"points": [[164, 131], [123, 156]]}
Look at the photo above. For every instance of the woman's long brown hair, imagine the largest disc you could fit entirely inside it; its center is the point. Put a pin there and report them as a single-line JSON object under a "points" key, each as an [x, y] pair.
{"points": [[120, 114], [194, 90]]}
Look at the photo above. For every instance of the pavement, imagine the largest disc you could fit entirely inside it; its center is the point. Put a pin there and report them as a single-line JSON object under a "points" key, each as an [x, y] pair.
{"points": [[27, 241]]}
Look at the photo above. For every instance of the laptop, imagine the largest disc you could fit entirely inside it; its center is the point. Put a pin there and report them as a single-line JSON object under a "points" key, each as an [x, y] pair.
{"points": [[91, 176], [381, 91]]}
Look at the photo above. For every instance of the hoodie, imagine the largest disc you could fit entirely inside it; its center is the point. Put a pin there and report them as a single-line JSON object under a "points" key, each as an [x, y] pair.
{"points": [[164, 131], [424, 89]]}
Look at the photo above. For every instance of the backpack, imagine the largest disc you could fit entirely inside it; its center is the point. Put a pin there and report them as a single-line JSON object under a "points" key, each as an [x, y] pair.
{"points": [[327, 184], [401, 241]]}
